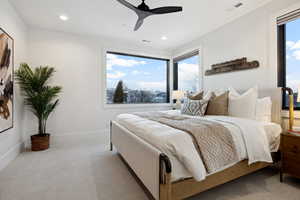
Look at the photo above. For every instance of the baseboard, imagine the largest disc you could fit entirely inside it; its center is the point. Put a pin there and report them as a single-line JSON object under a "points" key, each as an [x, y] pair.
{"points": [[104, 133], [74, 133], [10, 155]]}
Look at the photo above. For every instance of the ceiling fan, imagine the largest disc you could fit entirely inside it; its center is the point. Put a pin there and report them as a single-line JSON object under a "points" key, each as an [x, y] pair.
{"points": [[144, 11]]}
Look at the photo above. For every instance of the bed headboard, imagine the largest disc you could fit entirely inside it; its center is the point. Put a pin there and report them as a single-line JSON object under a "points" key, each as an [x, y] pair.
{"points": [[276, 97]]}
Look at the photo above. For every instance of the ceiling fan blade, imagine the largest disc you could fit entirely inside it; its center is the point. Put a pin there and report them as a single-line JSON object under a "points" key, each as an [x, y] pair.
{"points": [[165, 10], [127, 4], [138, 24]]}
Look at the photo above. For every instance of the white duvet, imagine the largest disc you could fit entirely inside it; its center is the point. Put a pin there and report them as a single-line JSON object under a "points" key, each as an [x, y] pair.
{"points": [[250, 137]]}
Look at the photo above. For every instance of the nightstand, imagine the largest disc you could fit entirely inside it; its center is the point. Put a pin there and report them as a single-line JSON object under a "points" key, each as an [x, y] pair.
{"points": [[290, 155]]}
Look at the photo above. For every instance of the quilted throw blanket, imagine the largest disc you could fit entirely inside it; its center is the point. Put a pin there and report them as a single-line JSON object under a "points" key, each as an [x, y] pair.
{"points": [[213, 141]]}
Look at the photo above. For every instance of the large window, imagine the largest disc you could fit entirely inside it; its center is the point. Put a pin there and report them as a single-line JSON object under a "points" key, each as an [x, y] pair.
{"points": [[289, 54], [186, 72], [132, 79]]}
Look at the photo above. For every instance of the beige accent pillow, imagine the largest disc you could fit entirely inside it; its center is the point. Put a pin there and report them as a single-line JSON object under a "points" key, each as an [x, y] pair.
{"points": [[197, 96], [218, 105]]}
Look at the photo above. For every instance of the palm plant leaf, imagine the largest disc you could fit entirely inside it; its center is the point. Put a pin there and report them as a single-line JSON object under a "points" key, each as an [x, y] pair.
{"points": [[38, 96]]}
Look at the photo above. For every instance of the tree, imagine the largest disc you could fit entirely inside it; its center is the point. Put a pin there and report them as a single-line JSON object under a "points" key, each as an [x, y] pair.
{"points": [[38, 95], [119, 93]]}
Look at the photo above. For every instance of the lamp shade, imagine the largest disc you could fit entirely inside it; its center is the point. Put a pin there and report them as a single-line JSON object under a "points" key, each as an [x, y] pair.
{"points": [[177, 94]]}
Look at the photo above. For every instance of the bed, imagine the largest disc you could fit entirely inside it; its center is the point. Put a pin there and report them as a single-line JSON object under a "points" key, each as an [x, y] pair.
{"points": [[167, 163]]}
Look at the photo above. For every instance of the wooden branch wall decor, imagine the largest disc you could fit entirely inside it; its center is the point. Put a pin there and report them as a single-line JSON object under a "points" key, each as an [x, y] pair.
{"points": [[231, 66]]}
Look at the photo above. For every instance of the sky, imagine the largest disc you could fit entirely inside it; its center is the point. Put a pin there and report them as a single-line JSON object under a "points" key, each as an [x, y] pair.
{"points": [[293, 54], [188, 74], [145, 73], [136, 72]]}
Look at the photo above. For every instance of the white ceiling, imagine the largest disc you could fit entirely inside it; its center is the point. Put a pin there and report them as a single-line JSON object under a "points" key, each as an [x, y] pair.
{"points": [[110, 19]]}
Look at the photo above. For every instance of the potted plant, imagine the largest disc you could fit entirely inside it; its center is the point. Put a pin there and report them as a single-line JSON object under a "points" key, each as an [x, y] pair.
{"points": [[40, 97]]}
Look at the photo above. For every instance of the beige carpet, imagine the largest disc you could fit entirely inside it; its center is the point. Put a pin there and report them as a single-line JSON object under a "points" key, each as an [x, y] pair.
{"points": [[82, 168]]}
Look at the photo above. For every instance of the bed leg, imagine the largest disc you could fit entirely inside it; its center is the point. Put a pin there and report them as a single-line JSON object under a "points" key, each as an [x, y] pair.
{"points": [[165, 191], [110, 129], [165, 186]]}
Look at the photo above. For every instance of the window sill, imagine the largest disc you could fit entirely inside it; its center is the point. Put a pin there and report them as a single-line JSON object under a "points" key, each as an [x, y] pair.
{"points": [[124, 106]]}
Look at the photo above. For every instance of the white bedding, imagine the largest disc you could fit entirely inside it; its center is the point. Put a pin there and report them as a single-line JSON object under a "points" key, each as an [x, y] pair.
{"points": [[254, 141]]}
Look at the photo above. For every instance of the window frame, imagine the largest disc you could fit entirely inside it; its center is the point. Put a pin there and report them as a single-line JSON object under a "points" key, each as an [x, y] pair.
{"points": [[181, 58], [107, 105], [281, 53]]}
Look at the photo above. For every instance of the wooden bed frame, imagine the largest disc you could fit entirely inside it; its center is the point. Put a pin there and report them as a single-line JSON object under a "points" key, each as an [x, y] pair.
{"points": [[180, 189], [154, 169], [189, 187]]}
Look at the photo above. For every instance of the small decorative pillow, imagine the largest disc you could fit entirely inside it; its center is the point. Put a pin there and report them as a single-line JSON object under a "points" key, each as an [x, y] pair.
{"points": [[197, 96], [218, 105], [194, 107]]}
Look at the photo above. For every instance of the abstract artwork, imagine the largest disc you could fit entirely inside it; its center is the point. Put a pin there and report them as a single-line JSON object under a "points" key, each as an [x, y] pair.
{"points": [[6, 81]]}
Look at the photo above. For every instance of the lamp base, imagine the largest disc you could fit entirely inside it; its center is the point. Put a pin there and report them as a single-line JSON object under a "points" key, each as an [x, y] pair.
{"points": [[177, 105]]}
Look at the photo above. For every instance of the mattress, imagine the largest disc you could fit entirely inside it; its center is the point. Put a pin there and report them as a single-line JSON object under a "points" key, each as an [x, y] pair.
{"points": [[179, 147]]}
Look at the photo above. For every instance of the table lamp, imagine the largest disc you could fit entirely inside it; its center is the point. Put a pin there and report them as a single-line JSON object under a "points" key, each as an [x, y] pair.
{"points": [[297, 128], [291, 106], [177, 95]]}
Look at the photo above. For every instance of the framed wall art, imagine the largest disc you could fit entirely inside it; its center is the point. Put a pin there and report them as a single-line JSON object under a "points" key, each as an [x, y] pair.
{"points": [[6, 81]]}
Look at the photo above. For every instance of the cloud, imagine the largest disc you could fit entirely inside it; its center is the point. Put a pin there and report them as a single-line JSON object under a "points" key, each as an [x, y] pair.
{"points": [[296, 54], [188, 75], [114, 60], [290, 44], [188, 71], [116, 75], [293, 83], [158, 85], [135, 72], [293, 45]]}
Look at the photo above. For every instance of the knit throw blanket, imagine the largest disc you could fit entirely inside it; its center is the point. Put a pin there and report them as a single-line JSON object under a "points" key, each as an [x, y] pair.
{"points": [[213, 141]]}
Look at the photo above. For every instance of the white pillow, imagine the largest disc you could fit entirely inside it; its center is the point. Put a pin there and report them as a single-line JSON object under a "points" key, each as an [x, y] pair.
{"points": [[242, 105], [263, 112], [219, 92], [207, 95]]}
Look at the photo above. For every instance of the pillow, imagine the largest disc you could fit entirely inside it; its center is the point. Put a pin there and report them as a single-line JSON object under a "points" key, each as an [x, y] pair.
{"points": [[194, 107], [197, 96], [207, 95], [242, 105], [263, 112], [220, 91], [218, 105]]}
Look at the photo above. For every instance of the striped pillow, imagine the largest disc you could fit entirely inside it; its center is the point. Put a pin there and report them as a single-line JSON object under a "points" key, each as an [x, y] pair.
{"points": [[194, 107]]}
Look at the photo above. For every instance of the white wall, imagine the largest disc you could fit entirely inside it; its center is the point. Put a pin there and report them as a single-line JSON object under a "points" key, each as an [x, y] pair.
{"points": [[11, 140], [250, 36], [79, 63]]}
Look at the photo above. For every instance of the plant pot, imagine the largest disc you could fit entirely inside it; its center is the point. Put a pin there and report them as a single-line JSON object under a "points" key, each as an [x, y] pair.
{"points": [[40, 142]]}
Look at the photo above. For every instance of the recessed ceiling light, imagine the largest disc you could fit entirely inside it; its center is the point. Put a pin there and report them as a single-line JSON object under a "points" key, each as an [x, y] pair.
{"points": [[164, 38], [63, 17]]}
